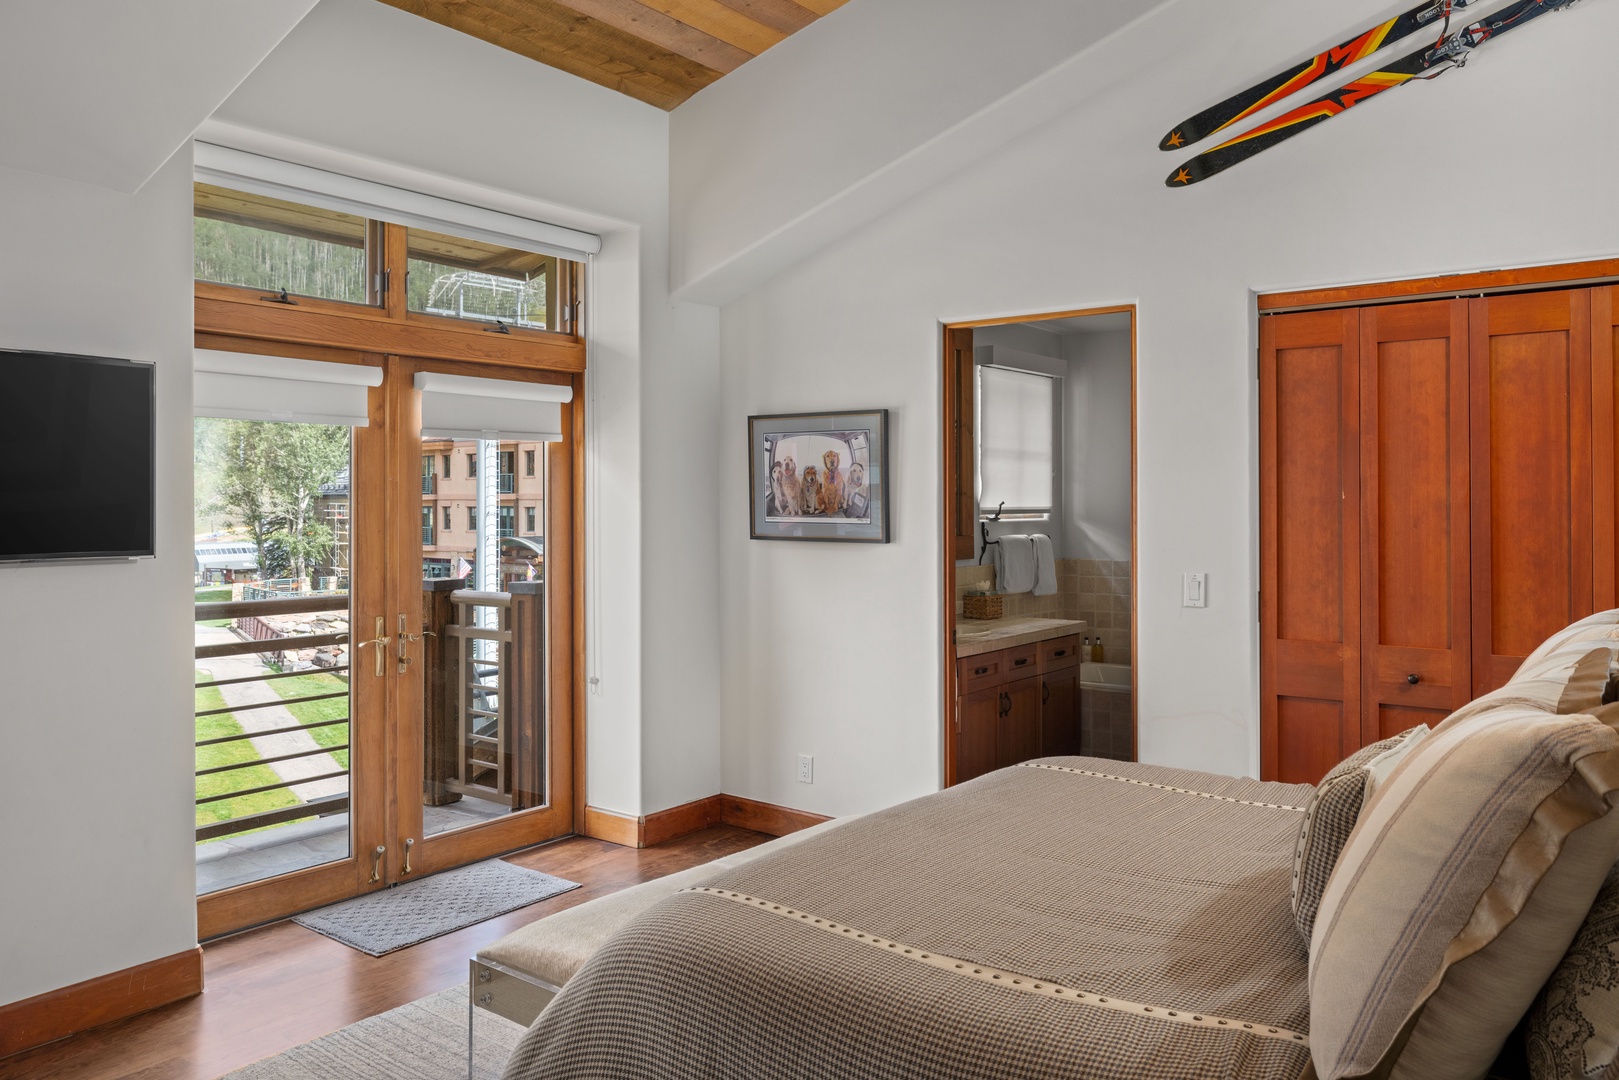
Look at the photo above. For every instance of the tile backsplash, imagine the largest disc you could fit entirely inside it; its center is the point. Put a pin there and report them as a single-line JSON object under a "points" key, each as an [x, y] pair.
{"points": [[1095, 590]]}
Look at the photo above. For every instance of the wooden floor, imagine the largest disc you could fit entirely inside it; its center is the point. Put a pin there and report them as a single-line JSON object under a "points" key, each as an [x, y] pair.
{"points": [[273, 988]]}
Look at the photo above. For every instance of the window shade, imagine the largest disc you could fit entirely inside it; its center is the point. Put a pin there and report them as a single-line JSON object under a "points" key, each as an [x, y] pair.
{"points": [[460, 407], [278, 179], [1015, 439], [240, 386]]}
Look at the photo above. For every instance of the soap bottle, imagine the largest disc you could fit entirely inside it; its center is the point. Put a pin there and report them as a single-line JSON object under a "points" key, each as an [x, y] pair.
{"points": [[1085, 650], [1097, 654]]}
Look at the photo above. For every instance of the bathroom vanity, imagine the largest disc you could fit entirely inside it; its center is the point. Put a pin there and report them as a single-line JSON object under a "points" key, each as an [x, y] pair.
{"points": [[1017, 687]]}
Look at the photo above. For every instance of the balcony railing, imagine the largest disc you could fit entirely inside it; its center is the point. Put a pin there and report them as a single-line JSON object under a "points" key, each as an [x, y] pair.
{"points": [[429, 484], [266, 640], [508, 483], [427, 536]]}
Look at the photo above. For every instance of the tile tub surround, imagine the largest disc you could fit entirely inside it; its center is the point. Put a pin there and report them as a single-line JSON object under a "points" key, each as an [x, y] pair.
{"points": [[1007, 632]]}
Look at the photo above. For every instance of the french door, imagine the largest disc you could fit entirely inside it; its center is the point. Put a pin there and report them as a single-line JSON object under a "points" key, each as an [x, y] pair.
{"points": [[400, 699]]}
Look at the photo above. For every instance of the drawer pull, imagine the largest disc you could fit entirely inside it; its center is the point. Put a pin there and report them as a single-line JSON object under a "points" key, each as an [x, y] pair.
{"points": [[981, 671], [1020, 663], [1061, 652]]}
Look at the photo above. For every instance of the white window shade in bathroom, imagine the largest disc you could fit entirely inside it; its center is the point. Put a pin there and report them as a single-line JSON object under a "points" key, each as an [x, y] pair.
{"points": [[1016, 440], [242, 386], [461, 407]]}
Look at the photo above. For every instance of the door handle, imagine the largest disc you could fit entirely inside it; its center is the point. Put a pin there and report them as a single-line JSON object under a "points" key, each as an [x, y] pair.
{"points": [[405, 638], [1412, 679], [1045, 693], [1006, 703], [379, 643]]}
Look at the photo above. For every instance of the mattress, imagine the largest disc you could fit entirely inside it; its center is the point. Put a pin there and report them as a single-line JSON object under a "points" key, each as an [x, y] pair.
{"points": [[1068, 917]]}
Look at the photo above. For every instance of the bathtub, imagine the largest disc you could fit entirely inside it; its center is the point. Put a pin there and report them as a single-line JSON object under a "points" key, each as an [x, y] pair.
{"points": [[1110, 677]]}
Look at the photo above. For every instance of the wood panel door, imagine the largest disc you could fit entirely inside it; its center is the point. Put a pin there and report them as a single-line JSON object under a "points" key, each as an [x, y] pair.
{"points": [[1059, 712], [960, 456], [977, 717], [1310, 595], [1415, 586], [1533, 493], [1605, 445]]}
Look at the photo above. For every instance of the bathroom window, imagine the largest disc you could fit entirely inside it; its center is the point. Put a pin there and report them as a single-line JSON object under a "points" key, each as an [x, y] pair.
{"points": [[1016, 441]]}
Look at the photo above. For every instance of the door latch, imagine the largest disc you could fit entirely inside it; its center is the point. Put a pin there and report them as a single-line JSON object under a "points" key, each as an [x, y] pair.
{"points": [[379, 643]]}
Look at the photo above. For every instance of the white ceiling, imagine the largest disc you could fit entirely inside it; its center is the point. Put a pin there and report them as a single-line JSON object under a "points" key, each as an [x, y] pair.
{"points": [[105, 91]]}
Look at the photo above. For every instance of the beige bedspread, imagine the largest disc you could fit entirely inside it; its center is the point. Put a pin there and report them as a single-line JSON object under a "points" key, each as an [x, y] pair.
{"points": [[1072, 917]]}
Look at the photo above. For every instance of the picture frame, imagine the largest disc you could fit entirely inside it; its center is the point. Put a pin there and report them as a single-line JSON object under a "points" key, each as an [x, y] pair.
{"points": [[850, 446]]}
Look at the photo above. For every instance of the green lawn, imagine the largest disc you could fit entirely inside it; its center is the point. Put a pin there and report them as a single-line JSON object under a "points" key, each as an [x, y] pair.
{"points": [[231, 753], [213, 595], [313, 712]]}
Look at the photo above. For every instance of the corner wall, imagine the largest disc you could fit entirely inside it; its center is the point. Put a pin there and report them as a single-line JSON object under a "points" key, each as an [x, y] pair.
{"points": [[95, 703], [836, 649]]}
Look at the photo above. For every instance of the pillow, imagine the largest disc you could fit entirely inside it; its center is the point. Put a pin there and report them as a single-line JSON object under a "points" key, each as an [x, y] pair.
{"points": [[1328, 818], [1469, 872], [1573, 1028]]}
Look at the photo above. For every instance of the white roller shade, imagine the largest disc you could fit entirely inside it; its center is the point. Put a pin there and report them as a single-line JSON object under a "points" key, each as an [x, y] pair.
{"points": [[278, 179], [461, 407], [239, 386], [1015, 439]]}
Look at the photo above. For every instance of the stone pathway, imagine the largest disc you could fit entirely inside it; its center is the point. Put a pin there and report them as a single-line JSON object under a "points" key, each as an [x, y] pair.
{"points": [[268, 719]]}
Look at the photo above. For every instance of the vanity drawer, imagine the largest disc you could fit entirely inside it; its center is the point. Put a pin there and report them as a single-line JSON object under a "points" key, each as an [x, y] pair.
{"points": [[974, 673], [1022, 661], [1059, 653]]}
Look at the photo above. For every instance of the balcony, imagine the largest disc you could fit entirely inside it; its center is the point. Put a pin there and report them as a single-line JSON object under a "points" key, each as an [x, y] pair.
{"points": [[508, 483], [429, 484], [427, 536]]}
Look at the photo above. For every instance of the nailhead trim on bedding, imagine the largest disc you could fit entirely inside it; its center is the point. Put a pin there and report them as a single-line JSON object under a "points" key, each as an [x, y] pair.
{"points": [[1010, 979], [1160, 787]]}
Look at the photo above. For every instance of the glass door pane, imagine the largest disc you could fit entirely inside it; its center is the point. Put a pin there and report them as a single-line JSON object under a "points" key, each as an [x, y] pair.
{"points": [[484, 732], [272, 593]]}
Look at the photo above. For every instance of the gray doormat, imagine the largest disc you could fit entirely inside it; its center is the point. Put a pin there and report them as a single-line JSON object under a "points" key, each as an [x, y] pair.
{"points": [[425, 1040], [379, 923]]}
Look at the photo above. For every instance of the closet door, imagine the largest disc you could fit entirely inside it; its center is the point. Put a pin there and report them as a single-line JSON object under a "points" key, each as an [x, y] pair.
{"points": [[1309, 460], [1415, 589], [1605, 444], [1533, 492]]}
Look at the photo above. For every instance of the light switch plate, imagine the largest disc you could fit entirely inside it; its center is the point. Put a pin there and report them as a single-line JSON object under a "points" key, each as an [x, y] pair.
{"points": [[1194, 590]]}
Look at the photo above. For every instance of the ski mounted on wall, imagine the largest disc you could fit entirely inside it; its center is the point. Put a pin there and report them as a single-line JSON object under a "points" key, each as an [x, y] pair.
{"points": [[1426, 63], [1240, 106]]}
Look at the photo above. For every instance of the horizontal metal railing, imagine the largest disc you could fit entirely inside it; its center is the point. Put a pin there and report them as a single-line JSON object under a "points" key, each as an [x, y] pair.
{"points": [[508, 483], [267, 639], [429, 484]]}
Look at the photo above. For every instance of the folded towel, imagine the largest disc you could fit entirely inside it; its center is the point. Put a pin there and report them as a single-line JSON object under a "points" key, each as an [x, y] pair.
{"points": [[1014, 563], [1045, 566]]}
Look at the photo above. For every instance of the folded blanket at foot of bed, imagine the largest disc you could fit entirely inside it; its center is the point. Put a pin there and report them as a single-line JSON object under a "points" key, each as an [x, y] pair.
{"points": [[1070, 917]]}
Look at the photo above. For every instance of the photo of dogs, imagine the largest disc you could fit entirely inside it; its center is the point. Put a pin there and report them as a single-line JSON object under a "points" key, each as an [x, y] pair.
{"points": [[819, 476], [831, 485]]}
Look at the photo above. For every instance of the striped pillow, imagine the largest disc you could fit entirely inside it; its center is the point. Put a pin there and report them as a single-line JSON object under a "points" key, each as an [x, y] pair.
{"points": [[1328, 818], [1432, 930]]}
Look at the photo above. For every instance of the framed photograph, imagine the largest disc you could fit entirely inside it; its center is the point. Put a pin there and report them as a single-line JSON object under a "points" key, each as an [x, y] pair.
{"points": [[819, 476]]}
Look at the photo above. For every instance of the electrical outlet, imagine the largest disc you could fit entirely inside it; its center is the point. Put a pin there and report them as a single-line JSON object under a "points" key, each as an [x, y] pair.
{"points": [[806, 769]]}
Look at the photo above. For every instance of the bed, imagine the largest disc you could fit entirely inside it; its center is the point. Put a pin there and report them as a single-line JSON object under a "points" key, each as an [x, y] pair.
{"points": [[1068, 917]]}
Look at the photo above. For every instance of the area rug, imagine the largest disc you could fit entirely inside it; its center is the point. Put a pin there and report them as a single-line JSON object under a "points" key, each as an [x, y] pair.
{"points": [[379, 923], [425, 1040]]}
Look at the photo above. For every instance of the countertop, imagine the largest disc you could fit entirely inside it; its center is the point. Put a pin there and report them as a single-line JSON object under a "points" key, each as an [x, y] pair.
{"points": [[1005, 633]]}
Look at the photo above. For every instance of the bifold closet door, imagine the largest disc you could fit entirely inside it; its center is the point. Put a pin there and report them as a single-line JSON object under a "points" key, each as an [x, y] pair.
{"points": [[1415, 595], [1310, 592], [1605, 445], [1532, 463]]}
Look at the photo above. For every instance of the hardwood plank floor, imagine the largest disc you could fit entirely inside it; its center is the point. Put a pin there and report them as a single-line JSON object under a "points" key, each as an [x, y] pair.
{"points": [[270, 989]]}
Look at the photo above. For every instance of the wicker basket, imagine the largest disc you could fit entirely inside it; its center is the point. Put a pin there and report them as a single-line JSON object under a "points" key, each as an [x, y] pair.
{"points": [[983, 606]]}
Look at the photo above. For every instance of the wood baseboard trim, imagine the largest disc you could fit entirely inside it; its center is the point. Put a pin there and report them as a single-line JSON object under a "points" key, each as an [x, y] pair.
{"points": [[665, 825], [765, 817], [56, 1014]]}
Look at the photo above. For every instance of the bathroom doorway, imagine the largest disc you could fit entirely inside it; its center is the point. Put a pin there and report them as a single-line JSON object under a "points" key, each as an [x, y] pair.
{"points": [[1039, 539]]}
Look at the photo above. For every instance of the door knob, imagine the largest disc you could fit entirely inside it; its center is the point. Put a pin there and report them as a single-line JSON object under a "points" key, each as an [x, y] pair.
{"points": [[1412, 679]]}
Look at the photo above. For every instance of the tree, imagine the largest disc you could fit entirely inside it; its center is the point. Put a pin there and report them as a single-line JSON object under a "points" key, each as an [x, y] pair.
{"points": [[268, 476]]}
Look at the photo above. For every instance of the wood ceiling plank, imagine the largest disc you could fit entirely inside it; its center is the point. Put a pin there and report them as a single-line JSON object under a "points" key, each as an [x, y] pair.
{"points": [[823, 7], [783, 15], [643, 22], [556, 35], [717, 20]]}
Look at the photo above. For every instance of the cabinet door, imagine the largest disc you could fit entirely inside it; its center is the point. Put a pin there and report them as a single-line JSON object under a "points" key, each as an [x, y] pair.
{"points": [[977, 720], [960, 440], [1533, 494], [1309, 528], [1059, 713], [1415, 587], [1017, 736]]}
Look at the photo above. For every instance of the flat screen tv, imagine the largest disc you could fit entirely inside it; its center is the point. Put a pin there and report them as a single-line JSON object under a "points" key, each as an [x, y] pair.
{"points": [[77, 457]]}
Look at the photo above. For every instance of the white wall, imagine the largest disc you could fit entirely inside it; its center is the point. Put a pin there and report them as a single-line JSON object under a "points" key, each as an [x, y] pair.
{"points": [[1096, 447], [96, 862], [488, 118], [835, 650]]}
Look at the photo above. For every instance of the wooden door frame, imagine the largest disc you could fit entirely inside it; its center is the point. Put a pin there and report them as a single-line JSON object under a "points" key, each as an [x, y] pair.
{"points": [[234, 324], [947, 489]]}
